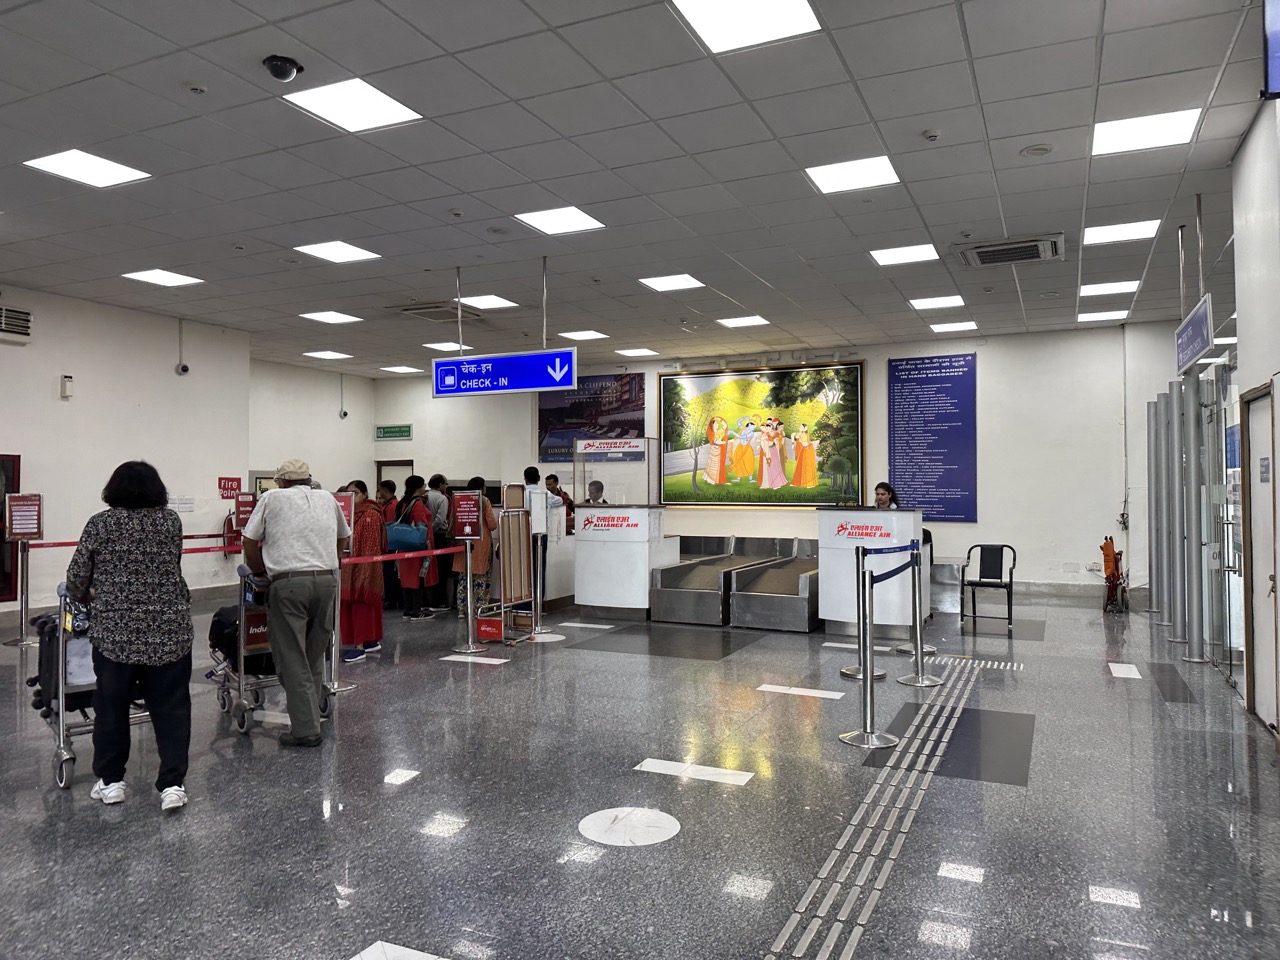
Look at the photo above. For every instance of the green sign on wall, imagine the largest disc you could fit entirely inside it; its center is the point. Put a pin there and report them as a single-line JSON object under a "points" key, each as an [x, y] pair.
{"points": [[394, 431]]}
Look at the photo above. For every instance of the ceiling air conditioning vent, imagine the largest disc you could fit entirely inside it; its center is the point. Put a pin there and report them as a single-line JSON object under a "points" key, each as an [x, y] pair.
{"points": [[15, 326], [440, 312], [998, 253]]}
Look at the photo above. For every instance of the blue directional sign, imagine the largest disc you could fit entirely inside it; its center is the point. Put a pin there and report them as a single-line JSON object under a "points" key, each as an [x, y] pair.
{"points": [[1194, 337], [505, 373]]}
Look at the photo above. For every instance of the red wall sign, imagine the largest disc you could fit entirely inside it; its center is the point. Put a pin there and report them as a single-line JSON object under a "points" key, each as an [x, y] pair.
{"points": [[228, 487], [347, 501], [23, 516], [467, 514]]}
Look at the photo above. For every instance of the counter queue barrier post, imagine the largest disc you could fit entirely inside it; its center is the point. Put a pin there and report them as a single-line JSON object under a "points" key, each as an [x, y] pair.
{"points": [[868, 737], [919, 648], [470, 646], [24, 597]]}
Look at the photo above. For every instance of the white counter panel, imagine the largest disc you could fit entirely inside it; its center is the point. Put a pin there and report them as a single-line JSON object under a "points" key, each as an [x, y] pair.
{"points": [[840, 532]]}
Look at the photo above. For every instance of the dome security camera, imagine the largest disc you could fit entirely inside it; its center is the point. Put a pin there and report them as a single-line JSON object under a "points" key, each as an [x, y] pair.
{"points": [[182, 369], [343, 414], [283, 69]]}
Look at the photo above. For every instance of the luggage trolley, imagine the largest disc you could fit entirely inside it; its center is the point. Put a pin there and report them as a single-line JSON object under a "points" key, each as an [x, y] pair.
{"points": [[240, 693], [69, 694], [1116, 577]]}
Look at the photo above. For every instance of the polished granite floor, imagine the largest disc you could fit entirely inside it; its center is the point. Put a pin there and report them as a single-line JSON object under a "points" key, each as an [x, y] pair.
{"points": [[1040, 806]]}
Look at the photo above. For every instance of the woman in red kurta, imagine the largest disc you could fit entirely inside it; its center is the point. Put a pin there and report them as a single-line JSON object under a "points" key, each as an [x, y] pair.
{"points": [[413, 510], [361, 607]]}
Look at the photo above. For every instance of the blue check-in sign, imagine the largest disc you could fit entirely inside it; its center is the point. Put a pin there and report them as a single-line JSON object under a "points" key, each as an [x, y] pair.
{"points": [[1194, 337], [533, 372]]}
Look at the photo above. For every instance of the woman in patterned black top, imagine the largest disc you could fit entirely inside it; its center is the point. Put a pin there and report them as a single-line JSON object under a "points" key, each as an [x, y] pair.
{"points": [[129, 565]]}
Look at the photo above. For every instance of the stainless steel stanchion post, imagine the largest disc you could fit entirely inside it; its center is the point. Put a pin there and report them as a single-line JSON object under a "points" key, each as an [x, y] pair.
{"points": [[864, 599], [24, 597], [539, 582], [1195, 520], [919, 678], [335, 645], [471, 645], [1164, 531], [1178, 504], [1153, 510], [909, 649], [867, 737]]}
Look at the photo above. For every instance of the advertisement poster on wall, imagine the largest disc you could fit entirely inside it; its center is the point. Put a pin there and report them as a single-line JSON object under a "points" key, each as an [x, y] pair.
{"points": [[933, 435], [785, 437], [605, 407]]}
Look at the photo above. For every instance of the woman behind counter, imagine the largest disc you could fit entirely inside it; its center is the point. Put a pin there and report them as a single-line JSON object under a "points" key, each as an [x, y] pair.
{"points": [[129, 564], [886, 497]]}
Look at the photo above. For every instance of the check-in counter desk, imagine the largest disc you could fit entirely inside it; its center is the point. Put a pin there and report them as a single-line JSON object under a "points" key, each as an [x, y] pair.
{"points": [[616, 547], [840, 531]]}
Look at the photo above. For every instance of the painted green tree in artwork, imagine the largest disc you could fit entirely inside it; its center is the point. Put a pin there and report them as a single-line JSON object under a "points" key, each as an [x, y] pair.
{"points": [[839, 432], [698, 410], [675, 413]]}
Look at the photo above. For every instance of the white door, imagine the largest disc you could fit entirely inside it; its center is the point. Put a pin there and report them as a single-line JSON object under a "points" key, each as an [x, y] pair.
{"points": [[1262, 556]]}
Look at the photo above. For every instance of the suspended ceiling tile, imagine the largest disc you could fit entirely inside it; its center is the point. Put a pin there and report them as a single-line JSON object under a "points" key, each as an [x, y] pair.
{"points": [[461, 26], [810, 111], [911, 42], [919, 91], [1168, 48], [1026, 73], [530, 66], [498, 127], [782, 68], [718, 128], [1185, 90], [361, 35], [1003, 26], [633, 41], [88, 33], [1049, 111], [629, 145], [1132, 14], [905, 134]]}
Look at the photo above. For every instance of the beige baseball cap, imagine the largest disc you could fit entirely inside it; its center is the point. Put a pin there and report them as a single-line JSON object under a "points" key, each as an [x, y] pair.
{"points": [[294, 470]]}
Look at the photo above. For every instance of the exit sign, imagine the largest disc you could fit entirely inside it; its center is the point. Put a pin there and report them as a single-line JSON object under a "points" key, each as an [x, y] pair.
{"points": [[394, 431]]}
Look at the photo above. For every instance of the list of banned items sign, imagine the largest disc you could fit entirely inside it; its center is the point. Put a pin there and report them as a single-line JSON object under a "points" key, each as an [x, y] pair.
{"points": [[933, 436]]}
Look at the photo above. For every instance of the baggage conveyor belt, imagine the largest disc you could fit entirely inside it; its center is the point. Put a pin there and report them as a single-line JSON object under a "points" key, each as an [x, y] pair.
{"points": [[697, 591], [777, 595]]}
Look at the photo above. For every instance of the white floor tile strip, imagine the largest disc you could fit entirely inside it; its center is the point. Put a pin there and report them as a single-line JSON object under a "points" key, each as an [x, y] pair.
{"points": [[1125, 670], [471, 658], [381, 950], [679, 768], [799, 691], [588, 626]]}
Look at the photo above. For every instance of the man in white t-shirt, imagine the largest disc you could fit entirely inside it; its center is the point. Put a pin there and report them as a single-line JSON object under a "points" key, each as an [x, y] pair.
{"points": [[294, 537], [531, 490]]}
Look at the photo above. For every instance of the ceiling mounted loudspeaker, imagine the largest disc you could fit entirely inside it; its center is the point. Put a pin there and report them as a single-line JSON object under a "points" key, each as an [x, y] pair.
{"points": [[15, 327], [441, 312], [999, 253]]}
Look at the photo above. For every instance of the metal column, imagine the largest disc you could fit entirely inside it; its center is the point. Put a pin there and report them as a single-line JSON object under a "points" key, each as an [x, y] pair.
{"points": [[1178, 505], [1192, 435], [1164, 529], [1153, 510]]}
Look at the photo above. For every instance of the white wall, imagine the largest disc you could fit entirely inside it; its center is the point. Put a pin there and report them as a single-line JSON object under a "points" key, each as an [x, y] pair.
{"points": [[128, 404], [1255, 189], [293, 412], [1051, 414]]}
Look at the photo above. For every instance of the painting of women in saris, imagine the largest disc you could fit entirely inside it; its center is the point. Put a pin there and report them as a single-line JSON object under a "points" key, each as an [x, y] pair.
{"points": [[786, 437]]}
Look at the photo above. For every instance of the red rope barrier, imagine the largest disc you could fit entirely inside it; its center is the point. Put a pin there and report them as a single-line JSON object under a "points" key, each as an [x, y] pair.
{"points": [[227, 550], [73, 543], [41, 544], [411, 555]]}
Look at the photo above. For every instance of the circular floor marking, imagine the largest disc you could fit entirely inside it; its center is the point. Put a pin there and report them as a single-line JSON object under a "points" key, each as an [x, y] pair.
{"points": [[546, 637], [629, 826]]}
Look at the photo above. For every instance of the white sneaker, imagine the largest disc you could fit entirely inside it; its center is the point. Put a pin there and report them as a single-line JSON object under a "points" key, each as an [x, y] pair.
{"points": [[171, 798], [108, 792]]}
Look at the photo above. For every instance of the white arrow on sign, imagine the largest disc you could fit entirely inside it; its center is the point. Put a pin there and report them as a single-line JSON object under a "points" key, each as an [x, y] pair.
{"points": [[559, 370]]}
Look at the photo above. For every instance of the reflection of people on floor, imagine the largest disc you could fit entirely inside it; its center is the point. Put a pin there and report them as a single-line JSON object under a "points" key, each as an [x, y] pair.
{"points": [[742, 460], [718, 440], [806, 471], [773, 455]]}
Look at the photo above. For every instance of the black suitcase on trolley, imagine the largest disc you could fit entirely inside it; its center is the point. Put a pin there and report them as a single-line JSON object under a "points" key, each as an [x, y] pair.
{"points": [[46, 681], [224, 633]]}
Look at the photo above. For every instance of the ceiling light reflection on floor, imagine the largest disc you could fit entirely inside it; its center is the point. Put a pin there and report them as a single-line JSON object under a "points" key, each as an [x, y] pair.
{"points": [[946, 935], [751, 887], [399, 776], [1115, 897], [960, 871], [443, 825], [581, 853]]}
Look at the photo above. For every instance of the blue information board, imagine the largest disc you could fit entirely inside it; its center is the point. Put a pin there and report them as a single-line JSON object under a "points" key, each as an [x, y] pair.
{"points": [[933, 435], [1195, 334], [505, 373]]}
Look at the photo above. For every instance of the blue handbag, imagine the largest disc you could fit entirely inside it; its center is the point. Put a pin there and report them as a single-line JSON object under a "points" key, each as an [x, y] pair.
{"points": [[403, 536]]}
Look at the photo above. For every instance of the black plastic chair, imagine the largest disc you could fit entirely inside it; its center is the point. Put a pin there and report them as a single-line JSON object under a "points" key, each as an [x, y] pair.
{"points": [[992, 572]]}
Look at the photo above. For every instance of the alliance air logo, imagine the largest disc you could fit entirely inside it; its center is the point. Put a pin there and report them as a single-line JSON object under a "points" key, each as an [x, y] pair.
{"points": [[862, 531], [609, 522]]}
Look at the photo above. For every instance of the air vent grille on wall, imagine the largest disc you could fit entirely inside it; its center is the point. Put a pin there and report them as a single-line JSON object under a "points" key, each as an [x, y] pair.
{"points": [[15, 326], [999, 253], [440, 312]]}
